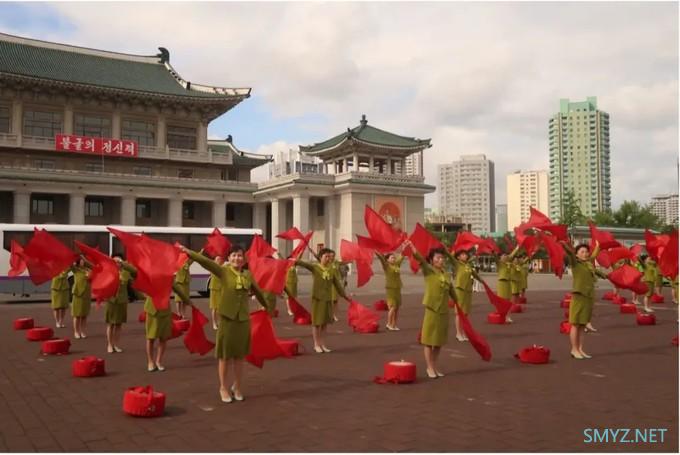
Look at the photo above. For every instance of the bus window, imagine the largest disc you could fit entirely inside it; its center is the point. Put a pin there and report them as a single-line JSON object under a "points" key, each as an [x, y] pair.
{"points": [[21, 237]]}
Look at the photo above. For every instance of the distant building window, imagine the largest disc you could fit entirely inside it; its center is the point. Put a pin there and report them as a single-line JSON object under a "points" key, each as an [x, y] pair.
{"points": [[141, 170], [42, 205], [231, 213], [185, 173], [4, 119], [42, 123], [143, 132], [188, 210], [232, 174], [181, 137], [44, 164], [320, 207], [94, 167], [91, 125], [143, 208], [94, 207]]}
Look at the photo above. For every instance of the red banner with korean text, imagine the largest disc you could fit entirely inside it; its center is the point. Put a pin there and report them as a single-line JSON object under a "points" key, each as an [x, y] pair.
{"points": [[96, 145]]}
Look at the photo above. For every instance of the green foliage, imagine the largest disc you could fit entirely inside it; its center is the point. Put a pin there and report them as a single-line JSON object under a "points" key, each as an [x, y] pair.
{"points": [[571, 210], [631, 215]]}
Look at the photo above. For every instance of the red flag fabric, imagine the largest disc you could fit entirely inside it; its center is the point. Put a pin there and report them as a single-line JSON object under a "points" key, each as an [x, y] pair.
{"points": [[291, 234], [510, 244], [46, 257], [17, 264], [636, 250], [182, 258], [465, 241], [538, 219], [488, 246], [555, 252], [531, 244], [194, 339], [606, 239], [359, 317], [639, 287], [654, 244], [270, 274], [557, 230], [625, 277], [104, 277], [156, 263], [300, 314], [668, 262], [301, 246], [379, 230], [259, 248], [367, 242], [363, 258], [619, 253], [216, 244], [263, 340], [476, 340], [604, 259], [423, 241], [502, 305]]}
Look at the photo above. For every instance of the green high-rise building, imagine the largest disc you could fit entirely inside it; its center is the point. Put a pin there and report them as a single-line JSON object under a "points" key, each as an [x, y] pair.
{"points": [[579, 157]]}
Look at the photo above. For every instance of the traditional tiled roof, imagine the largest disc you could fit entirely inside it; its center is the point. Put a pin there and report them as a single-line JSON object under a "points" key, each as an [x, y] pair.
{"points": [[241, 158], [151, 75], [364, 133]]}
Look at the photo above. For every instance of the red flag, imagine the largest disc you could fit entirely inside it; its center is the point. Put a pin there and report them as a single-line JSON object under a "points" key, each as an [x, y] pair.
{"points": [[604, 259], [359, 317], [378, 229], [104, 277], [531, 244], [557, 230], [655, 244], [182, 258], [476, 340], [668, 262], [263, 340], [259, 248], [509, 242], [156, 264], [270, 274], [216, 244], [367, 242], [555, 252], [46, 257], [619, 253], [363, 257], [639, 287], [17, 264], [465, 241], [520, 235], [606, 239], [636, 250], [291, 234], [625, 276], [502, 305], [300, 315], [301, 246], [488, 246], [194, 339], [538, 219], [423, 241]]}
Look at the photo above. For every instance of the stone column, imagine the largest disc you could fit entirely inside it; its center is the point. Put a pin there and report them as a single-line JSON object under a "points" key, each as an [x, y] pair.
{"points": [[219, 213], [355, 162], [276, 209], [116, 124], [421, 163], [371, 163], [68, 119], [175, 212], [22, 207], [260, 217], [389, 166], [128, 210], [202, 137], [329, 225], [76, 209], [161, 133], [17, 122], [403, 166], [301, 215]]}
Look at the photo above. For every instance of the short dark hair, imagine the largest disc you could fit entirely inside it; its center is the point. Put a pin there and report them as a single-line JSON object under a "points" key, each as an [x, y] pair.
{"points": [[118, 255], [235, 249], [459, 252], [387, 256], [643, 257], [323, 251], [434, 251], [581, 245]]}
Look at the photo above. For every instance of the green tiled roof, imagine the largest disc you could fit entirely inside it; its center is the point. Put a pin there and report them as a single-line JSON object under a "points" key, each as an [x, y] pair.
{"points": [[70, 64], [369, 134], [240, 157]]}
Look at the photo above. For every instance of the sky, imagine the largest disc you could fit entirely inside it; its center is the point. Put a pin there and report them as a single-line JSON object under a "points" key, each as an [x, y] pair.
{"points": [[475, 77]]}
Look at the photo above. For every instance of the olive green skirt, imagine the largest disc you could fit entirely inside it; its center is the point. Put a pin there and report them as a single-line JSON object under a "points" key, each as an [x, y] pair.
{"points": [[659, 281], [580, 309], [515, 287], [80, 306], [393, 297], [159, 326], [233, 339], [60, 299], [503, 289], [116, 313], [293, 291], [322, 312], [464, 300], [435, 329], [650, 288], [215, 298]]}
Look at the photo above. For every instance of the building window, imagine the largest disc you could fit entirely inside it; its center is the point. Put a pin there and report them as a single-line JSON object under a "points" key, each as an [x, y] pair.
{"points": [[4, 119], [231, 213], [141, 170], [143, 208], [320, 207], [94, 167], [42, 205], [181, 137], [42, 123], [185, 173], [188, 210], [140, 131], [232, 174], [44, 164], [94, 207], [91, 125]]}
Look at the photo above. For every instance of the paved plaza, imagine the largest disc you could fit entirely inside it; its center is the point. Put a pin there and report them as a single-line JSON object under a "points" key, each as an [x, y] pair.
{"points": [[328, 402]]}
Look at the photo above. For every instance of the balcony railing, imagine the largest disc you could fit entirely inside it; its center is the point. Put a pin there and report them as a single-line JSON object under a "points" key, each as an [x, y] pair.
{"points": [[8, 140]]}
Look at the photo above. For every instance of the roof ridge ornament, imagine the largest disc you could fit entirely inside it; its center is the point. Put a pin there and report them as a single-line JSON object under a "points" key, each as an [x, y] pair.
{"points": [[363, 121], [164, 55]]}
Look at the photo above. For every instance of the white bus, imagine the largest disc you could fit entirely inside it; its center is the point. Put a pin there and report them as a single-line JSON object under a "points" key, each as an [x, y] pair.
{"points": [[99, 236]]}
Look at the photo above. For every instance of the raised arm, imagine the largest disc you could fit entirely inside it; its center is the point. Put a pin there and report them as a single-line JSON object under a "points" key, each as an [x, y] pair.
{"points": [[182, 295], [382, 259], [595, 251], [302, 263], [455, 262], [129, 268], [207, 263], [257, 292], [570, 254], [427, 268]]}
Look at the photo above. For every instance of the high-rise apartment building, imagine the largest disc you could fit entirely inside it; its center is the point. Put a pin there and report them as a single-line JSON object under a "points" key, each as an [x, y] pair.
{"points": [[666, 208], [466, 189], [579, 157], [501, 218], [526, 189], [413, 164]]}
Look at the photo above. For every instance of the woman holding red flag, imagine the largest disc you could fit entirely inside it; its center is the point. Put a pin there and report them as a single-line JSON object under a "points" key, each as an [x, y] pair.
{"points": [[326, 280], [183, 281], [649, 277], [391, 264], [463, 276], [59, 297], [504, 266], [82, 298], [116, 307], [438, 290], [291, 286], [585, 275], [233, 333]]}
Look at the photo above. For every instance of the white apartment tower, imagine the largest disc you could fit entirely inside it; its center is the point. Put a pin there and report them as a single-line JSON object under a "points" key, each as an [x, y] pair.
{"points": [[666, 208], [466, 189], [526, 189]]}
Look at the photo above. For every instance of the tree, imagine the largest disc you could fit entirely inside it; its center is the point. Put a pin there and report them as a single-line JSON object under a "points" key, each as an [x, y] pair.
{"points": [[630, 214], [571, 210]]}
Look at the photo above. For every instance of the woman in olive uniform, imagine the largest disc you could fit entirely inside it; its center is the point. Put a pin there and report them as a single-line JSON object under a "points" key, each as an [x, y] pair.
{"points": [[82, 298], [649, 277], [584, 275], [215, 286], [391, 264], [515, 279], [463, 273], [658, 282], [291, 286], [524, 277], [233, 334], [116, 307], [326, 279], [183, 281], [504, 267], [59, 297]]}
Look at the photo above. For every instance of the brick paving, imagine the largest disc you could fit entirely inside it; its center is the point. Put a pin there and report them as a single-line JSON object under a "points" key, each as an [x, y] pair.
{"points": [[328, 403]]}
